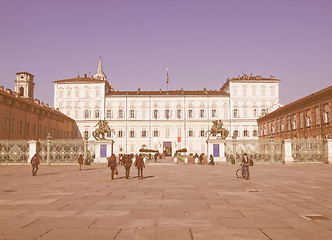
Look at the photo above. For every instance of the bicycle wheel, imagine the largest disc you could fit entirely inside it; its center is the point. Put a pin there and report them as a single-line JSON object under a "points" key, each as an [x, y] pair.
{"points": [[239, 173]]}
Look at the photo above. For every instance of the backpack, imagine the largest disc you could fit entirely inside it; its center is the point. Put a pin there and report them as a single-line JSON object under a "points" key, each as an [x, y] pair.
{"points": [[34, 160], [251, 162]]}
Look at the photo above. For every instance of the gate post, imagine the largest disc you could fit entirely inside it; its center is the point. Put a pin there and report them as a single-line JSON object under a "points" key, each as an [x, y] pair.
{"points": [[288, 158], [272, 149], [32, 149], [48, 149], [329, 151], [85, 151]]}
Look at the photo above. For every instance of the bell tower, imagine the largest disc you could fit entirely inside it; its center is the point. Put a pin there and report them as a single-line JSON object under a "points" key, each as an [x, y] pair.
{"points": [[24, 84]]}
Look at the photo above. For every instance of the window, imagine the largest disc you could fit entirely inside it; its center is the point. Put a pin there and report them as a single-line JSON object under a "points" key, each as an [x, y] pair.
{"points": [[190, 133], [97, 92], [178, 113], [254, 133], [109, 113], [155, 113], [86, 113], [120, 113], [68, 92], [86, 134], [264, 111], [255, 112], [214, 113], [282, 125], [179, 132], [87, 92], [244, 92], [190, 113], [96, 113], [109, 134], [167, 113], [77, 93], [317, 116], [60, 94], [76, 114], [4, 126], [254, 92], [155, 132], [236, 133], [132, 133], [245, 112], [202, 113], [132, 113], [245, 133], [202, 133], [13, 125], [28, 128], [120, 148], [120, 134], [326, 115], [294, 122], [301, 120], [308, 119], [144, 133], [263, 92], [235, 113], [34, 129]]}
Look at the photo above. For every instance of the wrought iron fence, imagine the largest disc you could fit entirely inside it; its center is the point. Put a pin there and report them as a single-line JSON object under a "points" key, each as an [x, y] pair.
{"points": [[61, 151], [14, 151], [260, 151], [308, 150]]}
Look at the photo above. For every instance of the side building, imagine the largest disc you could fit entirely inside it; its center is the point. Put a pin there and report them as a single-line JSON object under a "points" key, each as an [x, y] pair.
{"points": [[308, 117], [165, 120], [26, 118]]}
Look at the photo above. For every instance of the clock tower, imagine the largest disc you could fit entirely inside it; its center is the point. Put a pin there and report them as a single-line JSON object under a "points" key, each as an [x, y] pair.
{"points": [[24, 84]]}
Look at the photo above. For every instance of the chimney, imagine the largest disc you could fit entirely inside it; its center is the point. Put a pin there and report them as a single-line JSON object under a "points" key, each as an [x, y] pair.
{"points": [[37, 101], [1, 88], [47, 105], [85, 76], [9, 91], [138, 91], [16, 94]]}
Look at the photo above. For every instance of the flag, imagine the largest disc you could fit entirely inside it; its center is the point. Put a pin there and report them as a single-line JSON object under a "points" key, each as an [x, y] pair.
{"points": [[167, 75]]}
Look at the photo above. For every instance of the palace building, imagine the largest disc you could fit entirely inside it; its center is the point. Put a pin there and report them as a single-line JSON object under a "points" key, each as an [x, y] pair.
{"points": [[308, 117], [166, 120], [26, 118]]}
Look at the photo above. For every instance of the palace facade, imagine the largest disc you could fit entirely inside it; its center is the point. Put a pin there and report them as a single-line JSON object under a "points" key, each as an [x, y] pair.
{"points": [[26, 118], [166, 120], [308, 117]]}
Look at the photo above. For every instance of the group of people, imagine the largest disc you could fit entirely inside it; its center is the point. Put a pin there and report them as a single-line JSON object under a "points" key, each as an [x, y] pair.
{"points": [[126, 160]]}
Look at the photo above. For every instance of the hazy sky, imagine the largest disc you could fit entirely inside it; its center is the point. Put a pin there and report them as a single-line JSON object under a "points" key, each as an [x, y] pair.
{"points": [[201, 42]]}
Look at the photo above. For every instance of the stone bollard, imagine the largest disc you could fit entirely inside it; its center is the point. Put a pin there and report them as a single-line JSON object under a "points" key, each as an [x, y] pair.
{"points": [[186, 160], [288, 157], [176, 160]]}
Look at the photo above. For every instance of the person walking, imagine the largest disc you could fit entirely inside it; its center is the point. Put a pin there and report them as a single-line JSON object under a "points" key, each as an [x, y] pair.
{"points": [[80, 161], [201, 158], [245, 166], [34, 162], [211, 160], [127, 161], [155, 157], [139, 163], [112, 164]]}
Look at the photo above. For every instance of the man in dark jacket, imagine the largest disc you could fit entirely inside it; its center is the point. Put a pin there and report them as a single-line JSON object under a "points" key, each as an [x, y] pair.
{"points": [[139, 163], [127, 161], [112, 164], [245, 166], [34, 163]]}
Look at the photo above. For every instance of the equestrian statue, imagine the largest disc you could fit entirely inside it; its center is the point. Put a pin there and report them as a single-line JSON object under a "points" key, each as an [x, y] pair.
{"points": [[99, 133], [216, 129]]}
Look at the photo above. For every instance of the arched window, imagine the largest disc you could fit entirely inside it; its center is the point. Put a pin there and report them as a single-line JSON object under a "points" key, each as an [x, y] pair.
{"points": [[21, 91]]}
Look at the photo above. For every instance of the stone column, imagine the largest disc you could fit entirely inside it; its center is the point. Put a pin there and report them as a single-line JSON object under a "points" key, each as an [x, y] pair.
{"points": [[329, 151], [288, 158], [48, 149], [32, 149]]}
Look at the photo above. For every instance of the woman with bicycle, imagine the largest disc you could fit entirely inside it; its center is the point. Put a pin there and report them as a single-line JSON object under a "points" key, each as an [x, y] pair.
{"points": [[245, 166]]}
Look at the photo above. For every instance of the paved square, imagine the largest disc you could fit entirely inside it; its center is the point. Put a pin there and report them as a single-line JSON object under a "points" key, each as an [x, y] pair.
{"points": [[171, 202]]}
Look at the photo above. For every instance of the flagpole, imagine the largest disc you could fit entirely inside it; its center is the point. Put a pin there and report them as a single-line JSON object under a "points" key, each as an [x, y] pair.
{"points": [[167, 79]]}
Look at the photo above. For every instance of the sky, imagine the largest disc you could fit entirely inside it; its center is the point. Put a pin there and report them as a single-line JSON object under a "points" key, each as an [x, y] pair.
{"points": [[202, 43]]}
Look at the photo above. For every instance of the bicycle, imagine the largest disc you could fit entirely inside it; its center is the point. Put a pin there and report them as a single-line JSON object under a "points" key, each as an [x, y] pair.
{"points": [[239, 173]]}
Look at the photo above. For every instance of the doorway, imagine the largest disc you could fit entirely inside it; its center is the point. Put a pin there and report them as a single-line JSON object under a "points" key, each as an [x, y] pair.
{"points": [[167, 149]]}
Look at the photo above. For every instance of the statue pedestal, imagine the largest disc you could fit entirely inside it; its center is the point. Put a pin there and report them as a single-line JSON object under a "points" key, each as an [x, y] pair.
{"points": [[103, 150], [216, 147]]}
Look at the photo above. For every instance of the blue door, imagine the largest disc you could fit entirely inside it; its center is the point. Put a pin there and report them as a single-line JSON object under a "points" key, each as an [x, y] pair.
{"points": [[216, 152], [103, 150]]}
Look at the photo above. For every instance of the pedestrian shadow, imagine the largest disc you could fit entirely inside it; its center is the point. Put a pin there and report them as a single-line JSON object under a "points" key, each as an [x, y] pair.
{"points": [[144, 177]]}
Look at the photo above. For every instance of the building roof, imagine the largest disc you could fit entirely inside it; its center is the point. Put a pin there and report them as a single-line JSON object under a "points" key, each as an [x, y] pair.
{"points": [[247, 78], [308, 100], [34, 103], [83, 80], [169, 93]]}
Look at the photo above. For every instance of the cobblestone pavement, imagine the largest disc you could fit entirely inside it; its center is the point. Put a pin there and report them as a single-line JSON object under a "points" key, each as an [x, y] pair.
{"points": [[171, 202]]}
